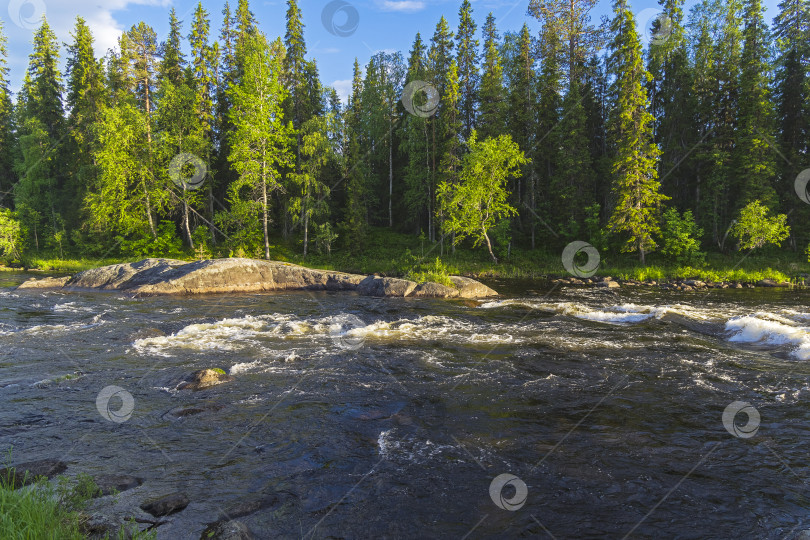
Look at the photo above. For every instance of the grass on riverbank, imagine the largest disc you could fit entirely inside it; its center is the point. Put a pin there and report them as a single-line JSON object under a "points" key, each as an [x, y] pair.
{"points": [[395, 254], [42, 510]]}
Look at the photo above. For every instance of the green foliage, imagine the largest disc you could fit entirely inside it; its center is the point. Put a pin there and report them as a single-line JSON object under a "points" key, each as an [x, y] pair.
{"points": [[167, 244], [479, 201], [11, 235], [680, 236], [435, 271], [324, 237], [756, 227]]}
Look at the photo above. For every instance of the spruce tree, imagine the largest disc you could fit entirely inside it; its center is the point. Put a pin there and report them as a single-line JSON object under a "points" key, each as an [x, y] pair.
{"points": [[754, 159], [492, 117], [7, 176], [85, 98], [355, 217], [40, 130], [173, 61], [204, 62], [635, 175], [467, 59]]}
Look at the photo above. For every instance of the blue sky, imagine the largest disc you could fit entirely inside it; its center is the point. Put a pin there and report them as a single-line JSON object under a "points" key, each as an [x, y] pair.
{"points": [[388, 25]]}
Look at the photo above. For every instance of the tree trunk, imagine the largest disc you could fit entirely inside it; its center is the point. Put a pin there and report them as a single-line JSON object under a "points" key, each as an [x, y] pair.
{"points": [[185, 224], [489, 246], [306, 232], [264, 217], [211, 210]]}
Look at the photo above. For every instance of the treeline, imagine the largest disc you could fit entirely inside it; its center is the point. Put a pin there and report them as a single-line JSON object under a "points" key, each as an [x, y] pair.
{"points": [[623, 147]]}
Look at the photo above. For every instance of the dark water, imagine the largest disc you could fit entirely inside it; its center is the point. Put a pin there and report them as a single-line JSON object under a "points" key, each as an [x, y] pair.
{"points": [[356, 417]]}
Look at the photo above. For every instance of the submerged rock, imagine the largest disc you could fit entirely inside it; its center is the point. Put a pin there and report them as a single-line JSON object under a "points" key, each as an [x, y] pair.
{"points": [[206, 378], [170, 276], [166, 505], [227, 530], [116, 483], [28, 473]]}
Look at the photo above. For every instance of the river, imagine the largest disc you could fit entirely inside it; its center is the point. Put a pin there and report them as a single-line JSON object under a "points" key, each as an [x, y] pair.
{"points": [[635, 412]]}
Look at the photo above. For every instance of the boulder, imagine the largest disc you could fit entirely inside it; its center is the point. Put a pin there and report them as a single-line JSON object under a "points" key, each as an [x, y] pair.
{"points": [[206, 378], [151, 277], [109, 484], [27, 473], [227, 530], [766, 283], [45, 283], [166, 505], [469, 288], [385, 286], [434, 290], [608, 284]]}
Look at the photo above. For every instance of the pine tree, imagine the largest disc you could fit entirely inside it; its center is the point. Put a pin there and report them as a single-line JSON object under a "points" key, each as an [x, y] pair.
{"points": [[755, 163], [467, 59], [143, 41], [492, 117], [635, 176], [571, 21]]}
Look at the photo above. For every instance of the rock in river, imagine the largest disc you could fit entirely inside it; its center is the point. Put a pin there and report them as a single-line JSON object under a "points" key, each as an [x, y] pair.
{"points": [[168, 504], [27, 473], [205, 378], [169, 276]]}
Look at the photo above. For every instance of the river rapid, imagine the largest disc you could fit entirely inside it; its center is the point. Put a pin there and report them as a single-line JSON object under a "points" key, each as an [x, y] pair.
{"points": [[612, 411]]}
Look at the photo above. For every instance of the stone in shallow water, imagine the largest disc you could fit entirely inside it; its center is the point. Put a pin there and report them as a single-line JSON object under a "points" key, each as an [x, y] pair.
{"points": [[166, 505], [206, 378], [27, 473], [227, 530], [116, 483]]}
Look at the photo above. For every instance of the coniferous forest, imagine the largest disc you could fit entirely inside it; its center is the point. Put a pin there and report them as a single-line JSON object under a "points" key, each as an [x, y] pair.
{"points": [[517, 140]]}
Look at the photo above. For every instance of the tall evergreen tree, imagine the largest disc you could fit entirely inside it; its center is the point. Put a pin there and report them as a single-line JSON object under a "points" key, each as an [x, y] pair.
{"points": [[356, 217], [173, 61], [791, 29], [7, 176], [754, 158], [635, 175], [85, 98], [467, 58], [41, 125], [492, 117]]}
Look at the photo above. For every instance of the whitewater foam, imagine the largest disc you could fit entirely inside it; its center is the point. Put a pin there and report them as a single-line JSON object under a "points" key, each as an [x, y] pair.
{"points": [[771, 329]]}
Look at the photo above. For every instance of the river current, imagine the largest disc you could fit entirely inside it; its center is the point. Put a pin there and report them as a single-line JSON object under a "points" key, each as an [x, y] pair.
{"points": [[548, 412]]}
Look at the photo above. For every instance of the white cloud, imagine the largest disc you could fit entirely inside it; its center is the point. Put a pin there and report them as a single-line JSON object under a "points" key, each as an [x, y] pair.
{"points": [[343, 88], [406, 6], [61, 15]]}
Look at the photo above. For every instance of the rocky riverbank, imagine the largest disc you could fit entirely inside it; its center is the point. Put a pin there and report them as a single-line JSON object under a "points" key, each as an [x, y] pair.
{"points": [[152, 277], [677, 284]]}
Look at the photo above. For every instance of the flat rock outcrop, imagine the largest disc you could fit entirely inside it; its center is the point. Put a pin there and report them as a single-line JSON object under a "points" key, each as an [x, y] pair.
{"points": [[152, 277]]}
